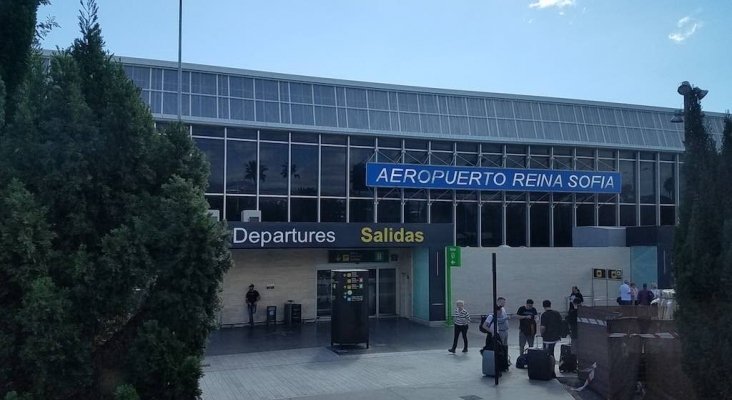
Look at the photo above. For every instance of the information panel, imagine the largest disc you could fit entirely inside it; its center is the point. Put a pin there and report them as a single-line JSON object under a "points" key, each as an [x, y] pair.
{"points": [[350, 315], [481, 178]]}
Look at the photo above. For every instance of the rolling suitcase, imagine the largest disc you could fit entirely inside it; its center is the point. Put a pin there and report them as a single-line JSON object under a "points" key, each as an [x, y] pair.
{"points": [[541, 365], [567, 360], [489, 366]]}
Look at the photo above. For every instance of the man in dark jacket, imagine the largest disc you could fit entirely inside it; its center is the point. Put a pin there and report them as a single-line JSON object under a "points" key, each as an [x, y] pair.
{"points": [[252, 297], [645, 296]]}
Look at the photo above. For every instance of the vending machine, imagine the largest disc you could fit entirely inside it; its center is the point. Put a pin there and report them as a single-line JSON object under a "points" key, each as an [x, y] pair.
{"points": [[350, 312]]}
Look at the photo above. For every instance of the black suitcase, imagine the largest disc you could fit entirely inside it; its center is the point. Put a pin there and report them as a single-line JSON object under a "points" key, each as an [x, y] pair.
{"points": [[541, 365], [522, 362], [567, 360]]}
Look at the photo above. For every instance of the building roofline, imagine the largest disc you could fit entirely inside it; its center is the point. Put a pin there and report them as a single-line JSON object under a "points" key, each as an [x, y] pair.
{"points": [[388, 86]]}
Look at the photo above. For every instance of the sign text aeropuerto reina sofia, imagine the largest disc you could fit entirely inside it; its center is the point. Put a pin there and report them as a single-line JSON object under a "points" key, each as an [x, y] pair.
{"points": [[480, 178]]}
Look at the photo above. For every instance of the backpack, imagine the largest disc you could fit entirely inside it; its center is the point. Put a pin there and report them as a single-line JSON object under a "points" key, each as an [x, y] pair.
{"points": [[482, 321]]}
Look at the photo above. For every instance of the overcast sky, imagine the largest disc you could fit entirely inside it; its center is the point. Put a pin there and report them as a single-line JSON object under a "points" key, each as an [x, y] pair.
{"points": [[626, 51]]}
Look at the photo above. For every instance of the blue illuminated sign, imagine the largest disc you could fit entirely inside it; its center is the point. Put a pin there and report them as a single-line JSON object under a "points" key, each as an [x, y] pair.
{"points": [[479, 178]]}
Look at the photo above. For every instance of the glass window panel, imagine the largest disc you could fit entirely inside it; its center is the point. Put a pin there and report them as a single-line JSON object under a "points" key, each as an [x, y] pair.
{"points": [[213, 149], [594, 134], [456, 105], [430, 123], [479, 127], [668, 216], [526, 129], [516, 225], [415, 211], [648, 215], [241, 87], [156, 103], [241, 171], [361, 210], [358, 119], [203, 106], [552, 130], [476, 107], [186, 104], [203, 83], [491, 225], [268, 111], [393, 143], [627, 215], [409, 122], [186, 82], [563, 225], [301, 93], [440, 158], [156, 82], [223, 107], [566, 113], [472, 147], [523, 110], [358, 159], [466, 224], [648, 182], [504, 108], [303, 170], [389, 211], [236, 204], [325, 116], [274, 209], [606, 215], [630, 118], [408, 102], [515, 149], [223, 83], [539, 225], [241, 133], [392, 156], [333, 171], [491, 160], [459, 125], [274, 136], [273, 165], [302, 114], [340, 96], [363, 141], [332, 210], [515, 161], [266, 89], [612, 135], [549, 112], [303, 210], [607, 116], [342, 118], [356, 98], [441, 211], [507, 128], [585, 215], [140, 76], [284, 92], [378, 99], [324, 95], [668, 183], [208, 130], [591, 115], [539, 162], [428, 103], [170, 103], [627, 171], [571, 132], [585, 164], [379, 120], [242, 109], [415, 157]]}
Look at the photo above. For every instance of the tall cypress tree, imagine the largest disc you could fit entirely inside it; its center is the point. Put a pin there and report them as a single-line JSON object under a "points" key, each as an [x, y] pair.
{"points": [[125, 264], [703, 315]]}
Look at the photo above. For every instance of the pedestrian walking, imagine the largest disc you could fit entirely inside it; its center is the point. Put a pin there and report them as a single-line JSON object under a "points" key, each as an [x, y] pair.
{"points": [[461, 318], [252, 297]]}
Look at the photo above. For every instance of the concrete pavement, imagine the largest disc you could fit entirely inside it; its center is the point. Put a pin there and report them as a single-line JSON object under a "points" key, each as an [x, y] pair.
{"points": [[319, 373]]}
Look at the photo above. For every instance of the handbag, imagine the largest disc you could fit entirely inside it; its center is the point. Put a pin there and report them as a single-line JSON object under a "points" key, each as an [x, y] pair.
{"points": [[482, 322]]}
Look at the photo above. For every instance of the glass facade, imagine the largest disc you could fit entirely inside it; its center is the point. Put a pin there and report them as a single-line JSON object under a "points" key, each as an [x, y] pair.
{"points": [[296, 149]]}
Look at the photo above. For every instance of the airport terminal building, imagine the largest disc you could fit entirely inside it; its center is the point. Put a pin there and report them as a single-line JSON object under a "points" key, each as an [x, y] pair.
{"points": [[330, 174]]}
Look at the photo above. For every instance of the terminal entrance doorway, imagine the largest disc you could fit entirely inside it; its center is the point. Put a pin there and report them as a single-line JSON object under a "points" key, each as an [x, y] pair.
{"points": [[381, 286]]}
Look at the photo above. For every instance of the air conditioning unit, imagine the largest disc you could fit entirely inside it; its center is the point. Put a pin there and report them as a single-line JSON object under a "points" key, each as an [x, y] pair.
{"points": [[251, 216], [215, 214]]}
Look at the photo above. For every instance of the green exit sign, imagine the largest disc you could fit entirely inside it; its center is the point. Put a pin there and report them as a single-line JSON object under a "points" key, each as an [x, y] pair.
{"points": [[452, 253]]}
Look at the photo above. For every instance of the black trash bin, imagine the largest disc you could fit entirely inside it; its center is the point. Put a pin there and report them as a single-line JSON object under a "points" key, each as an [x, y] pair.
{"points": [[271, 315], [293, 313]]}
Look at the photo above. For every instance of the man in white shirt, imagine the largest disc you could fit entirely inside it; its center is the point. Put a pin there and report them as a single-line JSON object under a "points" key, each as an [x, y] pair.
{"points": [[501, 320], [624, 294]]}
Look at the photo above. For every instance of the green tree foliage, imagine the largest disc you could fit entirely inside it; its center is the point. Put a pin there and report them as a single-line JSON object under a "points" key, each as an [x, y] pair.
{"points": [[109, 263], [702, 259]]}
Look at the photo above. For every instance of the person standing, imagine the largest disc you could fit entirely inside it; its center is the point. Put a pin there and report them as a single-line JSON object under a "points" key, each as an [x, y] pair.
{"points": [[501, 320], [461, 319], [527, 324], [551, 327], [252, 297], [624, 294], [633, 294], [576, 294], [645, 296]]}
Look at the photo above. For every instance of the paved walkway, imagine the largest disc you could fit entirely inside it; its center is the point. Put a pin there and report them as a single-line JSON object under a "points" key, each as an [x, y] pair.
{"points": [[383, 372]]}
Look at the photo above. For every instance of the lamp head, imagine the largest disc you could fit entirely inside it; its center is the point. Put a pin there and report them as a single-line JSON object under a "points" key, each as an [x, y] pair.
{"points": [[700, 93], [684, 89], [678, 117]]}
